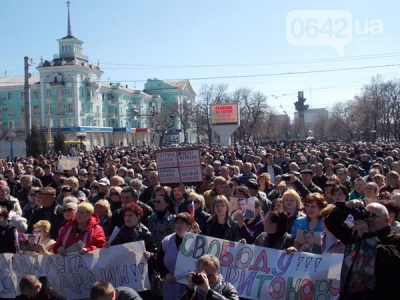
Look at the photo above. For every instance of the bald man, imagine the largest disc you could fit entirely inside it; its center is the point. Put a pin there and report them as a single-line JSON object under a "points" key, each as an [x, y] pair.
{"points": [[372, 254]]}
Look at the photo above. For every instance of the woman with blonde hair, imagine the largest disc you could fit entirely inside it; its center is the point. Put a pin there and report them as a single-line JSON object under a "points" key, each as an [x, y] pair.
{"points": [[220, 224], [392, 182], [103, 210], [83, 228], [292, 207], [115, 198], [200, 216], [45, 243]]}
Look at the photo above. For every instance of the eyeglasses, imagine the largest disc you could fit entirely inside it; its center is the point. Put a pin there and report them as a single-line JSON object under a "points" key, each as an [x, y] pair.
{"points": [[68, 209], [114, 193], [369, 214]]}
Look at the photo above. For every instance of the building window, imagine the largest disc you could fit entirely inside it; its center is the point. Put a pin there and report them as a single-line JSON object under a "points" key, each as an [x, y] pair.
{"points": [[22, 110], [35, 95], [36, 109], [10, 111], [11, 125], [9, 96], [69, 108], [47, 79], [22, 95], [69, 93], [69, 121], [68, 78], [48, 94], [59, 123]]}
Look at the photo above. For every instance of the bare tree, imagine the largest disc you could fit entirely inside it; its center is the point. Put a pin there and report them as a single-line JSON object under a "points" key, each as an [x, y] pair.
{"points": [[209, 94]]}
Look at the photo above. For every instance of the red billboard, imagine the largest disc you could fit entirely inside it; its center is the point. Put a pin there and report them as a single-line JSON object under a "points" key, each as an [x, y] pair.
{"points": [[222, 114]]}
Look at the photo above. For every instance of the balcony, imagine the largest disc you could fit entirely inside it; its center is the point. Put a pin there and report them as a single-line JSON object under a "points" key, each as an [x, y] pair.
{"points": [[92, 85], [57, 83], [112, 116]]}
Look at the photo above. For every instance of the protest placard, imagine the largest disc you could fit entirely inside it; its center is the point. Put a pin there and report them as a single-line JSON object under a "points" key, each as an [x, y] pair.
{"points": [[68, 162], [264, 273], [74, 274], [179, 165]]}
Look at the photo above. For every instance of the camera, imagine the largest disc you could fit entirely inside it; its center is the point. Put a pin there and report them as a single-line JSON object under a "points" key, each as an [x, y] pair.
{"points": [[197, 279], [359, 213], [286, 177]]}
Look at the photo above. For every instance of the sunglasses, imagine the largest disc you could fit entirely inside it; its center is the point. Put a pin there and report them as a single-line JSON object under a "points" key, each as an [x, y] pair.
{"points": [[159, 201], [68, 209], [114, 193]]}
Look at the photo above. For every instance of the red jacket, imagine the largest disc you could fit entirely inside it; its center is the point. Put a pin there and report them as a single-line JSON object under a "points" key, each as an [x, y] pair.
{"points": [[92, 235]]}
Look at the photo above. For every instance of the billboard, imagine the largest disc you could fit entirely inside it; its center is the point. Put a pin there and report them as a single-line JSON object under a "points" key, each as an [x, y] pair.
{"points": [[222, 114]]}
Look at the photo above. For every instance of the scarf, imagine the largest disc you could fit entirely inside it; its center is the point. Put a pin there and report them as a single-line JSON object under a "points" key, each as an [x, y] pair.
{"points": [[217, 288], [358, 266]]}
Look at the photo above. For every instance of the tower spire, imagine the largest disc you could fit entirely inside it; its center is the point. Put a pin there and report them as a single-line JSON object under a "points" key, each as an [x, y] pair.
{"points": [[69, 21]]}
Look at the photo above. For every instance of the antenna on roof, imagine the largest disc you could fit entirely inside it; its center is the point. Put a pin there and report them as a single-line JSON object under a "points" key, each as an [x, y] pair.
{"points": [[69, 22]]}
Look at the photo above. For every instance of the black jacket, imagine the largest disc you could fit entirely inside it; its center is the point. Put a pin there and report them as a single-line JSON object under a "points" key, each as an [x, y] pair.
{"points": [[46, 292], [55, 219], [228, 293], [7, 238]]}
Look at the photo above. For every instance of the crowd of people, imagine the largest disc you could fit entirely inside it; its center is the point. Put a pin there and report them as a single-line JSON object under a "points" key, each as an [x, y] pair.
{"points": [[325, 198]]}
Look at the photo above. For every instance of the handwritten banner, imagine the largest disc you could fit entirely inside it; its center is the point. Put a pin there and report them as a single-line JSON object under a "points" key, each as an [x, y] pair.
{"points": [[74, 274], [179, 165], [68, 162], [264, 273]]}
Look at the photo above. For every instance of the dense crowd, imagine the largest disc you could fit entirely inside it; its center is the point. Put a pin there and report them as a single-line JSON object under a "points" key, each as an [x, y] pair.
{"points": [[346, 194]]}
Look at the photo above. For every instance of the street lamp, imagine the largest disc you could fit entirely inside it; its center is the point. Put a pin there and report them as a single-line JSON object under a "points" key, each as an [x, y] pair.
{"points": [[81, 136], [11, 136]]}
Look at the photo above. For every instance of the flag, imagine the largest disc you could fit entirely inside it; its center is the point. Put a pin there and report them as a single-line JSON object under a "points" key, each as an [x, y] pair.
{"points": [[191, 209]]}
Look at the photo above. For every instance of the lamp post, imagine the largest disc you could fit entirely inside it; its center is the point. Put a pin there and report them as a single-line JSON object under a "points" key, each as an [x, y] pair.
{"points": [[81, 136], [11, 136]]}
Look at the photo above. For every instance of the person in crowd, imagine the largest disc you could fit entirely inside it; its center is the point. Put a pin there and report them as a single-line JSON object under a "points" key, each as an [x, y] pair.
{"points": [[340, 194], [264, 181], [168, 254], [329, 243], [314, 203], [379, 179], [292, 207], [278, 191], [213, 285], [44, 243], [253, 187], [103, 210], [249, 229], [148, 193], [275, 232], [359, 189], [129, 195], [277, 205], [328, 187], [392, 182], [371, 192], [8, 242], [200, 215], [25, 187], [28, 208], [371, 250], [133, 230], [69, 209], [220, 225], [161, 221], [83, 228], [219, 185], [7, 200], [115, 198], [102, 290], [269, 166], [179, 198], [344, 179], [49, 211], [32, 287]]}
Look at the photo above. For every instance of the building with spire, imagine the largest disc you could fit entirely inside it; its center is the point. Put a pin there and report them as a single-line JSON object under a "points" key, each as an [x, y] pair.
{"points": [[68, 94]]}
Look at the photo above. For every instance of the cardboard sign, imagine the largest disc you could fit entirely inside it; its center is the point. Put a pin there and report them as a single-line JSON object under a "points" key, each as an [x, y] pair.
{"points": [[68, 162], [179, 165]]}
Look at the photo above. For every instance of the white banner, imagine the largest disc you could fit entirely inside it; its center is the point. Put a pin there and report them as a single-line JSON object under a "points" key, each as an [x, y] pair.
{"points": [[264, 273], [74, 274]]}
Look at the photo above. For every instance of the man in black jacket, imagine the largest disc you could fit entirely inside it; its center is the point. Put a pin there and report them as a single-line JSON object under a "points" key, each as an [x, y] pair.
{"points": [[371, 259], [207, 282], [37, 289], [49, 211]]}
